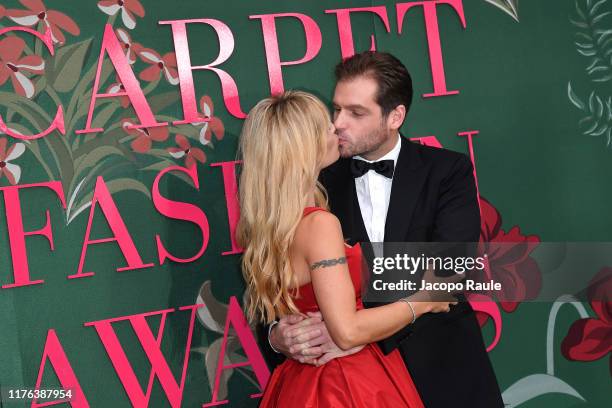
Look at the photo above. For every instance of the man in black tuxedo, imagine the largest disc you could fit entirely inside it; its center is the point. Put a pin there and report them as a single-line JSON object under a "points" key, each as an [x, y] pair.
{"points": [[386, 188]]}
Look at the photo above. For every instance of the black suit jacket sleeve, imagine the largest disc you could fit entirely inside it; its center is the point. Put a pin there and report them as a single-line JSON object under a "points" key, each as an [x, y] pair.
{"points": [[457, 214], [272, 358], [456, 219]]}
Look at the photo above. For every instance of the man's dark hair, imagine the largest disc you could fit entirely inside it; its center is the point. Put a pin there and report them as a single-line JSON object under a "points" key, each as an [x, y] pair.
{"points": [[393, 79]]}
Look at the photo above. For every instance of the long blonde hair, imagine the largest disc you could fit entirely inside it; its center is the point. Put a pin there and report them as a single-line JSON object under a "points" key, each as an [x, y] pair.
{"points": [[282, 144]]}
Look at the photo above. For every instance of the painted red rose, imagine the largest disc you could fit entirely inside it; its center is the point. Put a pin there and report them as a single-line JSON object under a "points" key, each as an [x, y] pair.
{"points": [[509, 260], [591, 339]]}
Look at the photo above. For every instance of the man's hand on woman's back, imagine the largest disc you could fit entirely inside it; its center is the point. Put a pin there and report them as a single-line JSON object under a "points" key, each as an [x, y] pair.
{"points": [[306, 339]]}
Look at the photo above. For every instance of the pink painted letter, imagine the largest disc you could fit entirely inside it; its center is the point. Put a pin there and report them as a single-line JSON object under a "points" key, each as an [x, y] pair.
{"points": [[345, 32], [65, 374], [433, 38], [313, 45], [111, 44], [231, 200], [151, 344], [58, 122], [180, 211], [254, 357], [120, 232], [14, 222], [181, 48]]}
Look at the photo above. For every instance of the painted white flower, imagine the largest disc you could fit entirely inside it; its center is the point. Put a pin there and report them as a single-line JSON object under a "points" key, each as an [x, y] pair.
{"points": [[14, 66], [130, 49], [165, 64], [37, 12], [128, 9], [213, 125], [7, 168]]}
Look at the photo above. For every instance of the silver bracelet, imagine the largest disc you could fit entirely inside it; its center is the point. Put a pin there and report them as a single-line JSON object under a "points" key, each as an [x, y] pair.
{"points": [[274, 323], [405, 300]]}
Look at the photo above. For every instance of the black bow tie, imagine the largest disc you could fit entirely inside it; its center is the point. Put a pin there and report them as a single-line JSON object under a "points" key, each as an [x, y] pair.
{"points": [[360, 167]]}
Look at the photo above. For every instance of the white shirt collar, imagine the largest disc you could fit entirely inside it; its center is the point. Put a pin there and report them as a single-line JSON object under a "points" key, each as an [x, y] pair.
{"points": [[393, 154]]}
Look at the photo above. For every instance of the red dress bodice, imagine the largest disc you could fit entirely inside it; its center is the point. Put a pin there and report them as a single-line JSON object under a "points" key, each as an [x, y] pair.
{"points": [[365, 379]]}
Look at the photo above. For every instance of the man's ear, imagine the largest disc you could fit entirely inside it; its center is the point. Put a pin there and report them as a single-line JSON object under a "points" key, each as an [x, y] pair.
{"points": [[396, 117]]}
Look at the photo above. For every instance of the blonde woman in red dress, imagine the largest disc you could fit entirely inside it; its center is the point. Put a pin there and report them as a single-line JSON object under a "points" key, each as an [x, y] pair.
{"points": [[296, 261]]}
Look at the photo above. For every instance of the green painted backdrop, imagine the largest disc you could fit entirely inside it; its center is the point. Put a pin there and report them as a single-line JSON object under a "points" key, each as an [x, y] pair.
{"points": [[535, 80]]}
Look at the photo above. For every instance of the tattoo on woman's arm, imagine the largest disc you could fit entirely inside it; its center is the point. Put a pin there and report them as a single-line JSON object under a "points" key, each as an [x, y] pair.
{"points": [[325, 263]]}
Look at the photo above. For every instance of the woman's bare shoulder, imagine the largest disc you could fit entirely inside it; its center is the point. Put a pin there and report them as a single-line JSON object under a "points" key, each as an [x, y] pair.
{"points": [[318, 221], [317, 231]]}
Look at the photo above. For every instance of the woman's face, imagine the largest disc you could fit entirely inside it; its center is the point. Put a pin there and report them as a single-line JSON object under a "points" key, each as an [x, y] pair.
{"points": [[332, 153]]}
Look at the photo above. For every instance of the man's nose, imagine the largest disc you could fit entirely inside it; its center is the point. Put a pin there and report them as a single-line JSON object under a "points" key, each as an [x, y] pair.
{"points": [[339, 121]]}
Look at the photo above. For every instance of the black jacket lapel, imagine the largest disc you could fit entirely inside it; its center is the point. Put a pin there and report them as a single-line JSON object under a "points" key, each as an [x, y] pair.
{"points": [[343, 201], [408, 181]]}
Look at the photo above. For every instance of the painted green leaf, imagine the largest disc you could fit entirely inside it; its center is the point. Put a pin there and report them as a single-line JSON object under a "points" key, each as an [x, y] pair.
{"points": [[213, 315], [39, 85], [536, 385], [191, 131], [107, 138], [96, 156], [594, 38], [64, 69], [114, 186], [160, 165], [82, 92], [103, 115], [509, 7], [86, 183], [161, 101], [573, 97], [39, 119], [33, 147], [212, 361]]}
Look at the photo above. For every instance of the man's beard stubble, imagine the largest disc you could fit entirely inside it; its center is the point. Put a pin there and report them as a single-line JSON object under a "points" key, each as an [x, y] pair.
{"points": [[366, 145]]}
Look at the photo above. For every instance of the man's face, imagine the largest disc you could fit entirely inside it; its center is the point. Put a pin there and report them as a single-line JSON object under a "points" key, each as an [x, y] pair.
{"points": [[358, 119]]}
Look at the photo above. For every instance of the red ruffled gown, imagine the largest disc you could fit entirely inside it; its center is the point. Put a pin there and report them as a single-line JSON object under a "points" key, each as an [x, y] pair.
{"points": [[365, 379]]}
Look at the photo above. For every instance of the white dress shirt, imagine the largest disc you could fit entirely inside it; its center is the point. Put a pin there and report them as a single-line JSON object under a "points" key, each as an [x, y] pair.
{"points": [[373, 194]]}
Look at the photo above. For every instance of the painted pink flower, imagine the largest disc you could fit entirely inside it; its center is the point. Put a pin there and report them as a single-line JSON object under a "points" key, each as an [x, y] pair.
{"points": [[8, 169], [591, 339], [13, 65], [37, 12], [117, 87], [184, 149], [2, 11], [144, 136], [165, 64], [214, 124], [128, 9], [509, 259], [131, 49]]}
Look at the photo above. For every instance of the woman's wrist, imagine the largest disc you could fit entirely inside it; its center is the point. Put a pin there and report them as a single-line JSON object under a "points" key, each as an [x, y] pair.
{"points": [[417, 307], [421, 308], [412, 311]]}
